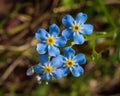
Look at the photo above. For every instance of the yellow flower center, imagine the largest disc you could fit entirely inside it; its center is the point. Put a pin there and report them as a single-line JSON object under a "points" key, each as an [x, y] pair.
{"points": [[70, 63], [76, 28], [48, 69], [50, 40]]}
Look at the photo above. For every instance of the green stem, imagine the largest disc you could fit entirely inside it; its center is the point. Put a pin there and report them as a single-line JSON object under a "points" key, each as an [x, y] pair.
{"points": [[98, 35], [103, 7]]}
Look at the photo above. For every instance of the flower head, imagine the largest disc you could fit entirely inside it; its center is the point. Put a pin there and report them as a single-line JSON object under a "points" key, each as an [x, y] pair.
{"points": [[76, 28], [48, 69], [71, 63], [50, 41]]}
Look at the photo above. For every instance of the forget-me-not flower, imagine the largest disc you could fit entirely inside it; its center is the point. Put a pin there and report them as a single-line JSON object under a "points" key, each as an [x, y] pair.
{"points": [[50, 41], [48, 69], [71, 63], [76, 28]]}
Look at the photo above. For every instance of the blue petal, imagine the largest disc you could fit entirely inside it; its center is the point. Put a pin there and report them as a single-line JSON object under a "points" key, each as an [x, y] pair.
{"points": [[81, 18], [80, 59], [54, 30], [57, 61], [60, 41], [41, 48], [78, 38], [43, 59], [41, 34], [65, 71], [53, 51], [77, 71], [87, 29], [46, 77], [67, 33], [37, 69], [58, 74], [67, 20], [69, 52]]}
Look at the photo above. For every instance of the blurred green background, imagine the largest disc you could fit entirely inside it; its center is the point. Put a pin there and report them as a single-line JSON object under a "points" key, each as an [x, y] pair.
{"points": [[19, 20]]}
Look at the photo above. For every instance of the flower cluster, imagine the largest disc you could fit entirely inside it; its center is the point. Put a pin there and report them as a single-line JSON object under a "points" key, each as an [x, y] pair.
{"points": [[52, 63]]}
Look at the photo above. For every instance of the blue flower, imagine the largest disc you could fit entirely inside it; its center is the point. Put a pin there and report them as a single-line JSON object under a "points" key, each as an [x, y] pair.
{"points": [[71, 63], [76, 28], [48, 69], [50, 41]]}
